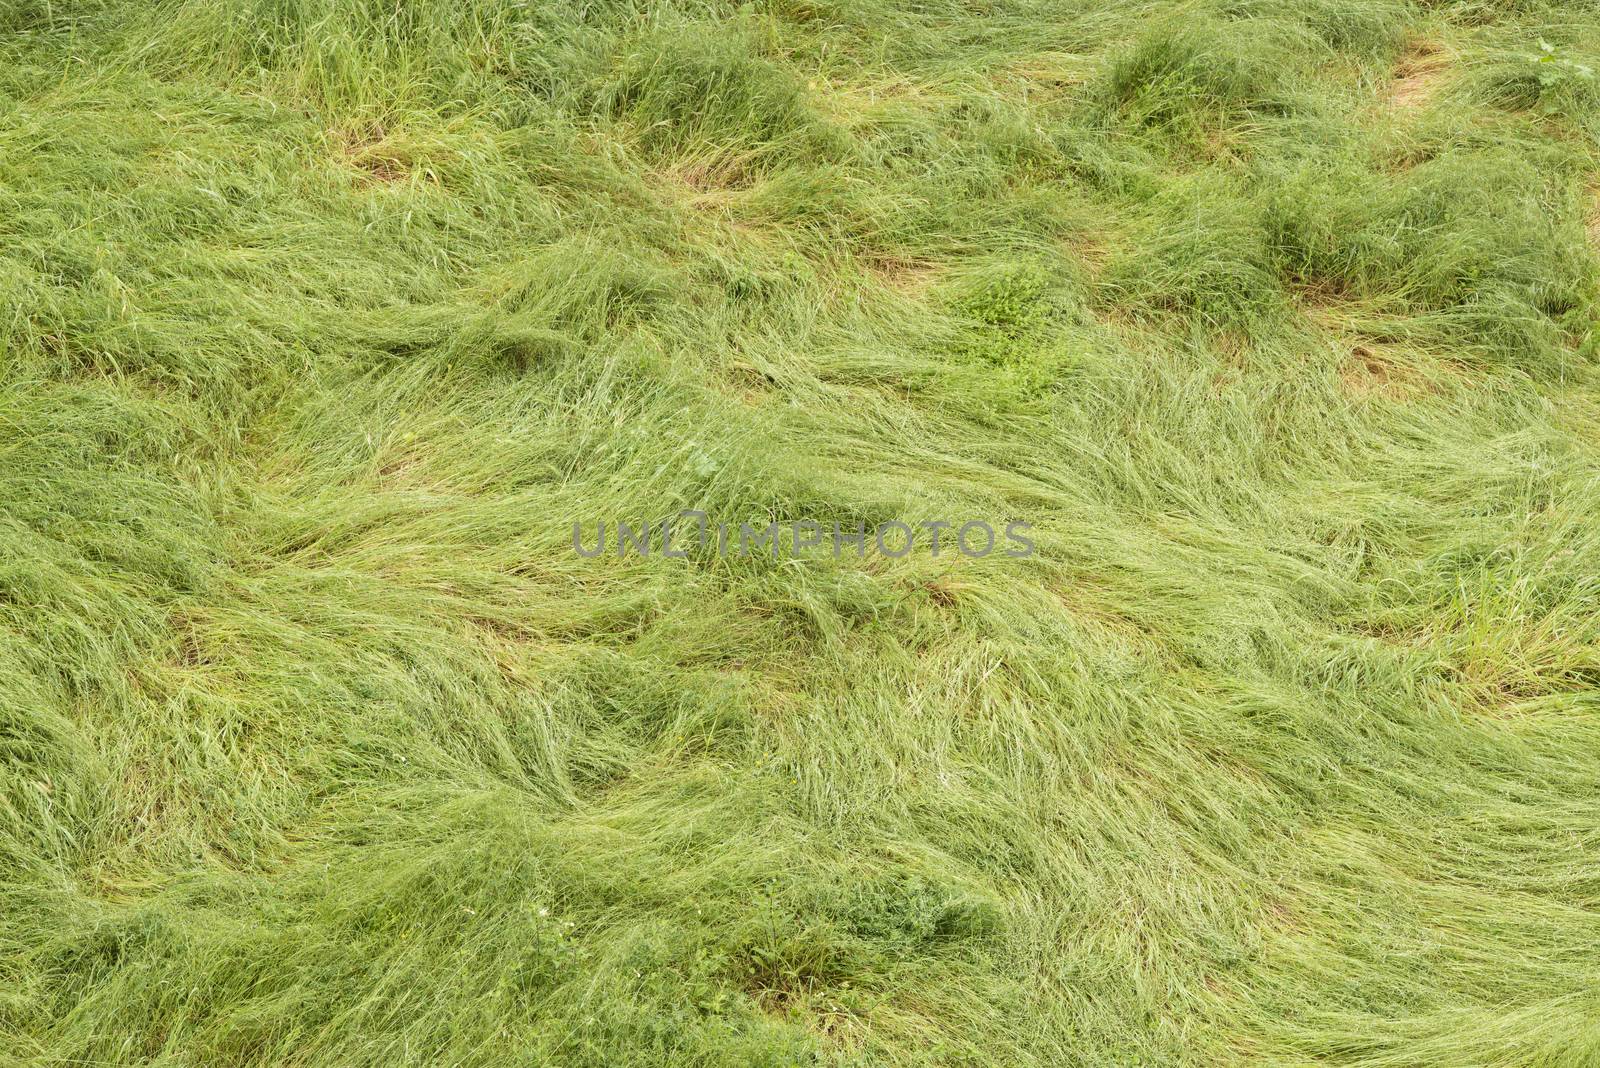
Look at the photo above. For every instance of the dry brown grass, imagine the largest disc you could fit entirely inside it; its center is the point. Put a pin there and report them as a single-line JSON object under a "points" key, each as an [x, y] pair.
{"points": [[1369, 366], [364, 149], [908, 276], [1372, 369], [703, 180], [1418, 76], [750, 385]]}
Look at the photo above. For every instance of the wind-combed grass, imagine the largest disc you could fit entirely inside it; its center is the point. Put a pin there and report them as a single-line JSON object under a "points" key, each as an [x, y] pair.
{"points": [[323, 321]]}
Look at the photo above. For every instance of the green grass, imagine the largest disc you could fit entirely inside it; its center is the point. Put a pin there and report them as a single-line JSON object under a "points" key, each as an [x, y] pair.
{"points": [[321, 322]]}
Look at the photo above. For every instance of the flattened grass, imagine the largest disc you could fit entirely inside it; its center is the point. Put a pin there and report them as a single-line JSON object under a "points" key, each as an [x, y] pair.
{"points": [[321, 323]]}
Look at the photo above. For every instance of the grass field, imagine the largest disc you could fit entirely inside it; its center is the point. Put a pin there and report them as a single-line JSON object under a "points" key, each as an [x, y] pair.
{"points": [[323, 321]]}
